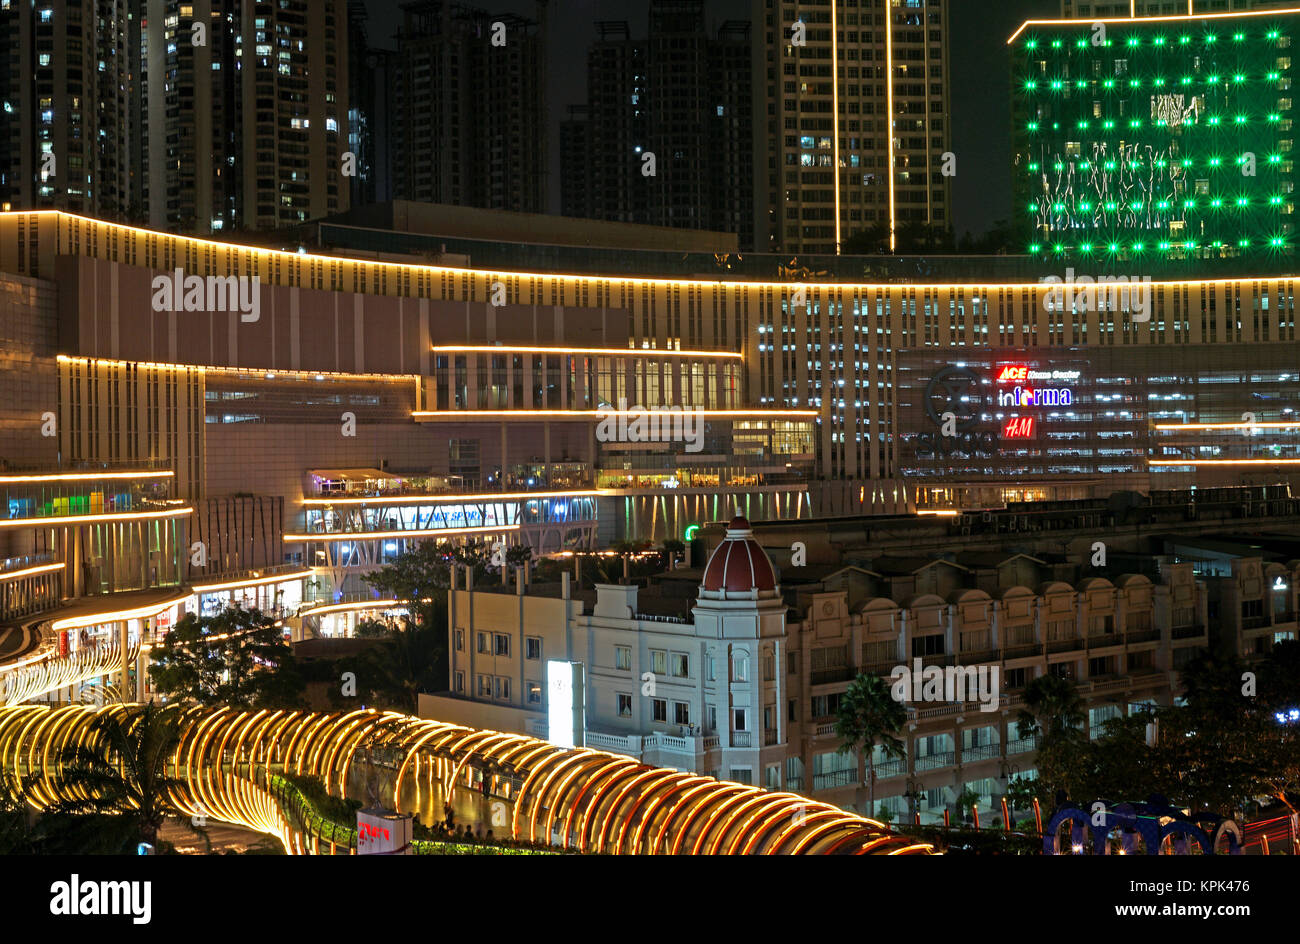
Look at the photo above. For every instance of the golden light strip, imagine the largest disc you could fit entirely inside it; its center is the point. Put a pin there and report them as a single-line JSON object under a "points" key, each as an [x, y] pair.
{"points": [[889, 104], [592, 414], [33, 681], [578, 278], [273, 372], [440, 499], [63, 521], [258, 582], [31, 571], [340, 607], [86, 476], [1151, 19], [114, 616], [371, 535], [607, 351], [835, 112]]}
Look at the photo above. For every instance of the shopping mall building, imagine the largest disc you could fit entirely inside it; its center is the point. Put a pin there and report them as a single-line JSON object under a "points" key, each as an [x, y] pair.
{"points": [[319, 410]]}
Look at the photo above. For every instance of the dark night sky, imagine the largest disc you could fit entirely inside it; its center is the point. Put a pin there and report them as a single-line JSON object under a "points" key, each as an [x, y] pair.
{"points": [[977, 53]]}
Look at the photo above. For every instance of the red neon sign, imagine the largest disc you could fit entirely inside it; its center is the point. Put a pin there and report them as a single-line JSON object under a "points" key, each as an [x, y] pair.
{"points": [[369, 832], [1013, 373], [1019, 427]]}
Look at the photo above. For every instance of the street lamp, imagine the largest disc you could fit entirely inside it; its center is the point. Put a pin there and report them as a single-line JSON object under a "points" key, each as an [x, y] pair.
{"points": [[913, 796]]}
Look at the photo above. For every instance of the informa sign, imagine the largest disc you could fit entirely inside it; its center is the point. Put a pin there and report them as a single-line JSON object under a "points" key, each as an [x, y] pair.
{"points": [[566, 704], [383, 832]]}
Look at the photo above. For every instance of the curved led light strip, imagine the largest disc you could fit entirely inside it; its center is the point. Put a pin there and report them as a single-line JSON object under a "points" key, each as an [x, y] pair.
{"points": [[600, 802], [596, 351], [41, 678], [569, 277]]}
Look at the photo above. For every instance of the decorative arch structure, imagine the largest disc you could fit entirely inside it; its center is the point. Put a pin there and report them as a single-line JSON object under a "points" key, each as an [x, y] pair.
{"points": [[227, 760]]}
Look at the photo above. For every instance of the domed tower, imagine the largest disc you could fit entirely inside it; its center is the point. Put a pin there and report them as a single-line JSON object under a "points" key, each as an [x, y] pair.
{"points": [[739, 595], [740, 621]]}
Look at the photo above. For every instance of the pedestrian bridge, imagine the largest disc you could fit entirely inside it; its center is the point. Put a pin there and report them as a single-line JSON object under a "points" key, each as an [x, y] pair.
{"points": [[229, 762]]}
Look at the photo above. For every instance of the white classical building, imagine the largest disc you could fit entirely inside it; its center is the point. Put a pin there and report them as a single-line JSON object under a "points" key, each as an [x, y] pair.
{"points": [[699, 694]]}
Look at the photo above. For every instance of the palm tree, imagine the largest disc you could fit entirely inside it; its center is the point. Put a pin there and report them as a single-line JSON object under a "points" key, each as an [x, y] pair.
{"points": [[123, 770], [1054, 711], [869, 715], [1054, 700]]}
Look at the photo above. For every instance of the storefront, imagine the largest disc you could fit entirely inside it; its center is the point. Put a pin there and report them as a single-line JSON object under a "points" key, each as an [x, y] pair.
{"points": [[991, 427], [275, 595]]}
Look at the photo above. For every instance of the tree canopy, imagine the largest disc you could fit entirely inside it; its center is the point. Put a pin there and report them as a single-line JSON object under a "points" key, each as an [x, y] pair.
{"points": [[237, 657]]}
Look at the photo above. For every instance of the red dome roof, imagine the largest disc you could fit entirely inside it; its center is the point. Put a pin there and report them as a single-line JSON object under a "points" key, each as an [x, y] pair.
{"points": [[739, 564]]}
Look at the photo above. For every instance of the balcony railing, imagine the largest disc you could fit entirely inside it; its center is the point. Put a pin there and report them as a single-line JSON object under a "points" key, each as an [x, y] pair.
{"points": [[1097, 638], [935, 761], [769, 738], [1142, 635], [978, 656], [742, 739], [23, 563], [1064, 645], [1022, 651], [656, 618], [1104, 684], [316, 596], [250, 573], [891, 768], [1022, 745], [970, 755], [1186, 632], [836, 778], [1252, 622]]}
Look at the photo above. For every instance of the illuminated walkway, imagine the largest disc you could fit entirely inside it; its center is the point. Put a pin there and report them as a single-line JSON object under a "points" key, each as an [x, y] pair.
{"points": [[25, 681], [230, 762]]}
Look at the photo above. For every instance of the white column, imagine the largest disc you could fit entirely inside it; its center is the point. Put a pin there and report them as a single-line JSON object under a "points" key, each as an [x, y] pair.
{"points": [[123, 641]]}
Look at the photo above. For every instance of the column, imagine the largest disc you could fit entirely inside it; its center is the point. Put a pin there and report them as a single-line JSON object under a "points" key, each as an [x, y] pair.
{"points": [[123, 640]]}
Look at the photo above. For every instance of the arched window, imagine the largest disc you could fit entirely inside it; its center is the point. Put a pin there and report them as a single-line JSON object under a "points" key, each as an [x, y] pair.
{"points": [[740, 665]]}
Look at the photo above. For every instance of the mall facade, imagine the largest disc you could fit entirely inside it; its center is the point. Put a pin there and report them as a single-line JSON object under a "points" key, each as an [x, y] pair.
{"points": [[323, 411]]}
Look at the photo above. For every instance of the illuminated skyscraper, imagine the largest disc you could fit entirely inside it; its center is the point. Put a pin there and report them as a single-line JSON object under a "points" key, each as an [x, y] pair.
{"points": [[203, 116], [1161, 138], [469, 123], [65, 130], [826, 137], [679, 97]]}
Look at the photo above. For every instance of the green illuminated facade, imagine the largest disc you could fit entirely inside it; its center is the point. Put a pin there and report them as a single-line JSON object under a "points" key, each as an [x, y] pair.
{"points": [[1156, 139]]}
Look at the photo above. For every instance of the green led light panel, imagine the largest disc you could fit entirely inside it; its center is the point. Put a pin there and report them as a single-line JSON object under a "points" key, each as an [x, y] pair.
{"points": [[1177, 143]]}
